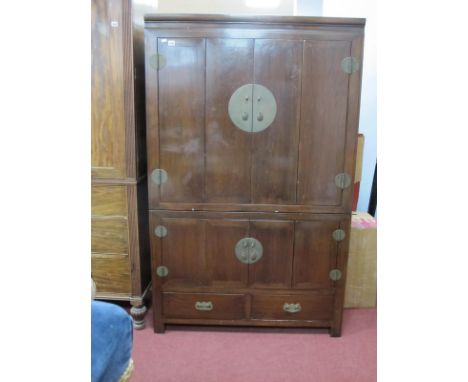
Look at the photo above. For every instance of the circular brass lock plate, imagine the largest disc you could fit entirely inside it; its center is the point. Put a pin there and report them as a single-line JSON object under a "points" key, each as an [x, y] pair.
{"points": [[240, 107], [252, 108], [248, 250]]}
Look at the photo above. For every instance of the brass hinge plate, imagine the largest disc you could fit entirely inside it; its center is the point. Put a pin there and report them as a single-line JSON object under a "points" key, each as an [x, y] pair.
{"points": [[335, 274], [350, 65], [160, 231], [159, 176], [157, 61], [162, 271], [343, 180], [339, 234]]}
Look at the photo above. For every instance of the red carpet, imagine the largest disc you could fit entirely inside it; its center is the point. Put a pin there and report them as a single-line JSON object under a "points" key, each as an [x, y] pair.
{"points": [[201, 354]]}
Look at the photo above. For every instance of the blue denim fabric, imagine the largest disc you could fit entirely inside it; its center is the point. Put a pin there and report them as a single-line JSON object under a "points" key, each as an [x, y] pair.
{"points": [[111, 341]]}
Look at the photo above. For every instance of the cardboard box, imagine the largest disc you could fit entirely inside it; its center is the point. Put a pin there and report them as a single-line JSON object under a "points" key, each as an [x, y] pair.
{"points": [[358, 170], [361, 279]]}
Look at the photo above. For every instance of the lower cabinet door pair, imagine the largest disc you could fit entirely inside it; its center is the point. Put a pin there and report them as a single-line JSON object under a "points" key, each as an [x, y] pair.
{"points": [[229, 251]]}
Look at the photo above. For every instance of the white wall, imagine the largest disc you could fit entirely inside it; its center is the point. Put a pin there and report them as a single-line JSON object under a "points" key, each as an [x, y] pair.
{"points": [[229, 7]]}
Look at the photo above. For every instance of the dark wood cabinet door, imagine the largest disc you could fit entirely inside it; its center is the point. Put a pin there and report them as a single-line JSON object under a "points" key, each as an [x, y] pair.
{"points": [[181, 118], [323, 122], [224, 268], [183, 252], [273, 270], [315, 253], [229, 65], [278, 66]]}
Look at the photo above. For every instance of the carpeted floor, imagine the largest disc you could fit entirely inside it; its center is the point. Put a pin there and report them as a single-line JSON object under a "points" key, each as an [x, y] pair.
{"points": [[201, 354]]}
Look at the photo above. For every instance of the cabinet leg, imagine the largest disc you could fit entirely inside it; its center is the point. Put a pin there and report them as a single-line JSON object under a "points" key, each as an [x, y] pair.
{"points": [[159, 327], [138, 314], [335, 331]]}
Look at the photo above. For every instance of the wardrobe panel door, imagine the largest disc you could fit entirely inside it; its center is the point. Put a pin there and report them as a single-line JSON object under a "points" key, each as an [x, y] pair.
{"points": [[278, 66], [229, 65], [273, 270], [107, 91], [224, 267], [315, 253], [323, 122], [182, 118]]}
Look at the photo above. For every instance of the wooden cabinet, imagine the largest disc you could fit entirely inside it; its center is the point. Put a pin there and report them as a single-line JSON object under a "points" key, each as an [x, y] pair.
{"points": [[251, 136], [120, 263]]}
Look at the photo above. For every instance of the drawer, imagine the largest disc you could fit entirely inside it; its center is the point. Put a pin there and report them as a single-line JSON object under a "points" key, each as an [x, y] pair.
{"points": [[109, 200], [111, 273], [204, 305], [292, 307], [109, 235]]}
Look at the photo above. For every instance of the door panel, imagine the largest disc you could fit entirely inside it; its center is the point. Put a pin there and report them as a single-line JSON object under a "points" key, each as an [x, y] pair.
{"points": [[278, 66], [229, 65], [107, 91], [323, 122], [183, 252], [182, 118], [315, 253], [223, 266], [273, 270]]}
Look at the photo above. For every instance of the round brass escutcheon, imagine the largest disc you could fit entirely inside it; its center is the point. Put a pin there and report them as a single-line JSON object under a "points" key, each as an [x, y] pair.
{"points": [[241, 107], [248, 250]]}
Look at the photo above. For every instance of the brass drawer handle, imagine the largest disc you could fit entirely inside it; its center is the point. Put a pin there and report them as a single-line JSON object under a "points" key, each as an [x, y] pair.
{"points": [[292, 308], [204, 305]]}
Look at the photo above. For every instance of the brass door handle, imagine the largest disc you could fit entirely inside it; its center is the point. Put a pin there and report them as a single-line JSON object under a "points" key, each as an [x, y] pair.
{"points": [[292, 308], [204, 305]]}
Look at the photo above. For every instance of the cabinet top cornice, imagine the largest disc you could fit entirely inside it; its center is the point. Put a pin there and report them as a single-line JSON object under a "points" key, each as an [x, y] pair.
{"points": [[289, 20]]}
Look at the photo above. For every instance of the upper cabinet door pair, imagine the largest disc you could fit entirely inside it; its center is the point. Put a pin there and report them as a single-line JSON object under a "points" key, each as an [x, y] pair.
{"points": [[199, 154]]}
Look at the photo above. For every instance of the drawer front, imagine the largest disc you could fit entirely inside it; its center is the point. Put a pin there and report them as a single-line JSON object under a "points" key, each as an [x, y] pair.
{"points": [[111, 273], [204, 305], [109, 200], [292, 307], [109, 235]]}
